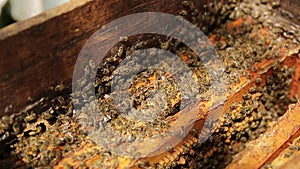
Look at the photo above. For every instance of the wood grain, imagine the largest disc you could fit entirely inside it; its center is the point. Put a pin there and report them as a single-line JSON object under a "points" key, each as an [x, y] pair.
{"points": [[257, 152]]}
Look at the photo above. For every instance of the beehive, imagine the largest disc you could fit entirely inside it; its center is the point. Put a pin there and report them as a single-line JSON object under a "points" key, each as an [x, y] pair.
{"points": [[258, 42]]}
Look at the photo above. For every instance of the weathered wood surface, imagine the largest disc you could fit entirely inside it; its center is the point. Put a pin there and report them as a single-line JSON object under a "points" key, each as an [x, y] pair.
{"points": [[262, 150]]}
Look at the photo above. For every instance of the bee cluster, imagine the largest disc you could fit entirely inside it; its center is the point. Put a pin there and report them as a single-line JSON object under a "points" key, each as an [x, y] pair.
{"points": [[215, 13], [43, 132], [249, 39], [242, 33], [247, 119]]}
